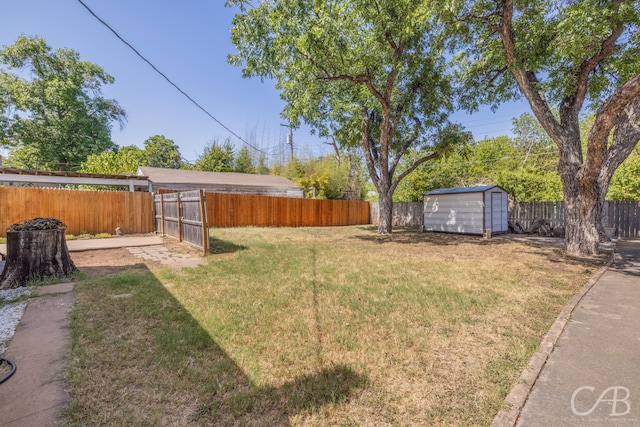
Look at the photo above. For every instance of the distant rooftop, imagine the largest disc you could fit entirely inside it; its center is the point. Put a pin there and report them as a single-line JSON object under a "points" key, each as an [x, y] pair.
{"points": [[179, 176]]}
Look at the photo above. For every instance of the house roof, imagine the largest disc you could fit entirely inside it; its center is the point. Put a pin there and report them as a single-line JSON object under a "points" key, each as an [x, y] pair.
{"points": [[476, 189], [160, 176]]}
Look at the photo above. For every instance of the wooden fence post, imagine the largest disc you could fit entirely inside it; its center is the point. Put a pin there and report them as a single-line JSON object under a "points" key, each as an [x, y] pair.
{"points": [[162, 213], [205, 224], [179, 205]]}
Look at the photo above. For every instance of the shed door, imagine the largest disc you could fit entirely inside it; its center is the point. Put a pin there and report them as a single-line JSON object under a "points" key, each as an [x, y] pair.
{"points": [[496, 212]]}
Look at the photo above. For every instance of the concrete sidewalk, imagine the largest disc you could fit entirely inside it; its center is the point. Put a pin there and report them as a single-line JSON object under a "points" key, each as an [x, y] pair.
{"points": [[35, 395], [592, 375], [110, 243]]}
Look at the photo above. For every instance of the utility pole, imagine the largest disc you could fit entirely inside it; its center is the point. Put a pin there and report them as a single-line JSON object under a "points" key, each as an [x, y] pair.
{"points": [[290, 139]]}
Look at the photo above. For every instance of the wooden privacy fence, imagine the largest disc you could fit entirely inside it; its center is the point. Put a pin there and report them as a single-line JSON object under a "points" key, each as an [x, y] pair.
{"points": [[405, 214], [238, 210], [623, 216], [527, 212], [183, 215], [82, 211], [133, 212]]}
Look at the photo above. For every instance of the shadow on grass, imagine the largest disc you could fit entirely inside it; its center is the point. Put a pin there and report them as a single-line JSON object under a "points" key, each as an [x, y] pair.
{"points": [[129, 322], [413, 235], [217, 246], [551, 248]]}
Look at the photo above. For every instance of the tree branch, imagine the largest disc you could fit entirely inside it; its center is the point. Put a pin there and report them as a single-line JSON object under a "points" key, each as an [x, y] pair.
{"points": [[475, 17], [497, 73], [335, 148], [607, 47], [525, 79], [625, 138], [607, 114], [413, 167], [401, 152], [368, 149]]}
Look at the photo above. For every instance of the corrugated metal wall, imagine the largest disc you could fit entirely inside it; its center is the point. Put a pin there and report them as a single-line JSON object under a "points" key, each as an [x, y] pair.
{"points": [[454, 213]]}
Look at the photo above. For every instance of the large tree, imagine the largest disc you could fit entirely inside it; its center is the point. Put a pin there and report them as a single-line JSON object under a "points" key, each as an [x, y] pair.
{"points": [[216, 157], [369, 73], [51, 104], [244, 161], [579, 57], [119, 161], [162, 152]]}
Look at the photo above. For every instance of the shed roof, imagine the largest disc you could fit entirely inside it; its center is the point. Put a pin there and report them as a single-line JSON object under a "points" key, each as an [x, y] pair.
{"points": [[38, 177], [34, 172], [179, 176], [476, 189]]}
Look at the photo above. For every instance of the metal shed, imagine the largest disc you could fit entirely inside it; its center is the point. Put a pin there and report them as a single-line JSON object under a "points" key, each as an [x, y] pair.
{"points": [[469, 210]]}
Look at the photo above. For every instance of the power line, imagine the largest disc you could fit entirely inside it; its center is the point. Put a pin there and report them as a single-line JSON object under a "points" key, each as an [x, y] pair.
{"points": [[487, 122], [165, 77]]}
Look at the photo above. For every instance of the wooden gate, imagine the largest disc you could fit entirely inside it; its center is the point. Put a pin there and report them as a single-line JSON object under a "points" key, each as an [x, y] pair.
{"points": [[183, 216]]}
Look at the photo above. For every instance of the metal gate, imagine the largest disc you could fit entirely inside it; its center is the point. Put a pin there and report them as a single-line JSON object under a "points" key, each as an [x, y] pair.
{"points": [[183, 215]]}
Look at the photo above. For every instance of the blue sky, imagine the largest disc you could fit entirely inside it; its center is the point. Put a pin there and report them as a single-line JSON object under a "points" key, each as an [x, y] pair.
{"points": [[189, 42]]}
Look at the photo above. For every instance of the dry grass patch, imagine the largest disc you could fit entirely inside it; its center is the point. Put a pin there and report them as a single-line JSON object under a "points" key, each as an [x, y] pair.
{"points": [[322, 326]]}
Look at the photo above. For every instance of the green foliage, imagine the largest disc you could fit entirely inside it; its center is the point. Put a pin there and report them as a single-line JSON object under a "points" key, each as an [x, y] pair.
{"points": [[553, 39], [244, 161], [326, 177], [369, 74], [525, 166], [26, 157], [123, 161], [262, 167], [216, 157], [625, 184], [158, 152], [51, 105], [161, 152]]}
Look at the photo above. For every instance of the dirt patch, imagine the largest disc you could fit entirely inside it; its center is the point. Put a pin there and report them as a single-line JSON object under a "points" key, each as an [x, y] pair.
{"points": [[105, 261], [109, 261]]}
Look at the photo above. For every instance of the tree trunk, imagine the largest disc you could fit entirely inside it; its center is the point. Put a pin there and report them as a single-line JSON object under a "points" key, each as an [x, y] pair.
{"points": [[385, 213], [36, 254], [583, 217]]}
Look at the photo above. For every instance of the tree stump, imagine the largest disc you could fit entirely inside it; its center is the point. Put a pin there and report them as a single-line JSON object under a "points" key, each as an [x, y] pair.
{"points": [[35, 254]]}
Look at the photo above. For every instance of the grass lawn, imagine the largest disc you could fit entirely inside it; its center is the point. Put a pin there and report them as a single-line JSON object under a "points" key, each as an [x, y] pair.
{"points": [[317, 327]]}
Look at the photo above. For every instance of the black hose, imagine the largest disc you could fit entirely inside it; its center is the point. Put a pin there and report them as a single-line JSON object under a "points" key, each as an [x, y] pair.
{"points": [[13, 369]]}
